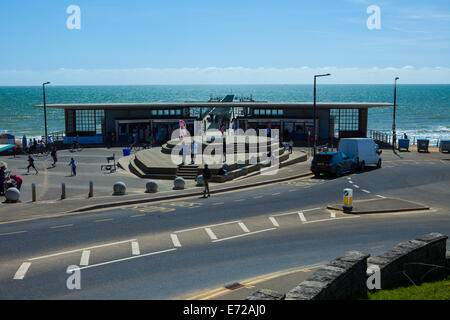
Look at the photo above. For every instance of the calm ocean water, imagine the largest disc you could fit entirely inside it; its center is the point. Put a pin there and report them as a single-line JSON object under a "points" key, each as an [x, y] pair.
{"points": [[423, 110]]}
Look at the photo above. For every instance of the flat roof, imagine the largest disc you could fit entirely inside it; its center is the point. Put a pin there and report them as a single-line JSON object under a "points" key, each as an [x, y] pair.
{"points": [[168, 105]]}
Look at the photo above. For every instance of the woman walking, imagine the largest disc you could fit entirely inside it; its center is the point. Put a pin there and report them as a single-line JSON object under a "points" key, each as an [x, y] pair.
{"points": [[53, 154], [73, 165]]}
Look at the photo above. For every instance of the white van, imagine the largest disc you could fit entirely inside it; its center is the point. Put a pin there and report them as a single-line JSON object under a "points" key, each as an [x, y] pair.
{"points": [[365, 151]]}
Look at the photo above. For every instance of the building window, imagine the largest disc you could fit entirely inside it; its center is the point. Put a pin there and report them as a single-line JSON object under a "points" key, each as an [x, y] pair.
{"points": [[256, 112], [280, 112], [154, 112], [89, 120], [345, 119], [178, 112]]}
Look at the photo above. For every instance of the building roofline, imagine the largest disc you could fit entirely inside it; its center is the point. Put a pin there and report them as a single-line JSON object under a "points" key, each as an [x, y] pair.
{"points": [[254, 104]]}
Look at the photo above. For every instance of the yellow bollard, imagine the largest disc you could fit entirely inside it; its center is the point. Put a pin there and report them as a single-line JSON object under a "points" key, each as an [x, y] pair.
{"points": [[348, 200]]}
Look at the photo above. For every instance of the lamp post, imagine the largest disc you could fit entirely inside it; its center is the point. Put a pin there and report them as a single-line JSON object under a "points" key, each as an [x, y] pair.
{"points": [[394, 134], [45, 111], [314, 108]]}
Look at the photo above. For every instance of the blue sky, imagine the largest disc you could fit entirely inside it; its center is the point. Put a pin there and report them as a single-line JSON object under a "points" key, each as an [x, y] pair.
{"points": [[193, 41]]}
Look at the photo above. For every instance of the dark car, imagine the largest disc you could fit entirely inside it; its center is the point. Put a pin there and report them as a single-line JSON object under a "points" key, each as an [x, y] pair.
{"points": [[335, 163]]}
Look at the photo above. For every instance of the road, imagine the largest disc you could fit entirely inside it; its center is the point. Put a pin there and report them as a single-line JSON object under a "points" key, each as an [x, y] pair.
{"points": [[176, 249]]}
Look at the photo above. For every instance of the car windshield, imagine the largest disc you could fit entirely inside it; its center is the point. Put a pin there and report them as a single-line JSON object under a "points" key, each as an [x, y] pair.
{"points": [[324, 157]]}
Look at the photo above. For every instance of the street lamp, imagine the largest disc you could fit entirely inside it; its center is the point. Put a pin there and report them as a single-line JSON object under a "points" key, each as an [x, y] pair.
{"points": [[45, 111], [394, 135], [314, 117]]}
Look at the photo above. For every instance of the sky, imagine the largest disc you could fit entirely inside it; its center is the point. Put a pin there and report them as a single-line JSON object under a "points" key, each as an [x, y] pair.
{"points": [[223, 42]]}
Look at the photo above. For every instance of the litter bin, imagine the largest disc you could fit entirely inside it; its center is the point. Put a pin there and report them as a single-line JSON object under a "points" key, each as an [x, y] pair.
{"points": [[422, 145], [126, 152], [444, 146], [403, 144]]}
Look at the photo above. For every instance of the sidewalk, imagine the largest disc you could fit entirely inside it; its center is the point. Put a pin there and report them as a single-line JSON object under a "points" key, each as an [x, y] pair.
{"points": [[28, 210]]}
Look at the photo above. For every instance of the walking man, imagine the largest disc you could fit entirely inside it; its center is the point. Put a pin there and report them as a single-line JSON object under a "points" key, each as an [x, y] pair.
{"points": [[31, 164], [54, 157], [73, 166], [206, 177]]}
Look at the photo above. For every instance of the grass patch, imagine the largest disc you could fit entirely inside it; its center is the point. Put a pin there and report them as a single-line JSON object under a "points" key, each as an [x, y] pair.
{"points": [[437, 290]]}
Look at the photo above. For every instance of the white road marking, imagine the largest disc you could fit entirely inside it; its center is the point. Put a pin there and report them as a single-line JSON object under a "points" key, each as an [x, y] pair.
{"points": [[295, 212], [211, 225], [302, 216], [276, 194], [77, 250], [129, 258], [244, 234], [381, 196], [211, 234], [350, 181], [356, 186], [243, 227], [364, 190], [175, 240], [84, 261], [274, 222], [135, 248], [20, 274], [322, 220], [333, 215]]}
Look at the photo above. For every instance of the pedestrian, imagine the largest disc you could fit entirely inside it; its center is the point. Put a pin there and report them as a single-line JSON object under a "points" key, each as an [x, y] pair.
{"points": [[34, 148], [24, 143], [291, 145], [50, 143], [405, 136], [206, 177], [54, 157], [2, 180], [73, 165], [183, 153], [31, 164], [18, 181], [193, 151]]}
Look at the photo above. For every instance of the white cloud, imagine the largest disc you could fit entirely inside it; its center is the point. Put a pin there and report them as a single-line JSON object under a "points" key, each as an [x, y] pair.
{"points": [[225, 75]]}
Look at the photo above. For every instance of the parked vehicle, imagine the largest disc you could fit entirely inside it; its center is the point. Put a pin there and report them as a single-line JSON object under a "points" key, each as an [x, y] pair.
{"points": [[335, 163], [365, 151], [444, 146]]}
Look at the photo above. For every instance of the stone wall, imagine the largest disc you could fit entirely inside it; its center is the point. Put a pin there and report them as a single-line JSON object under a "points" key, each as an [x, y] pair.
{"points": [[415, 261], [418, 260], [342, 278]]}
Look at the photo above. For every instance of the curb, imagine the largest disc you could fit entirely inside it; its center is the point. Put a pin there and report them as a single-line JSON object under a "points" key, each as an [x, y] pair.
{"points": [[180, 196], [378, 211]]}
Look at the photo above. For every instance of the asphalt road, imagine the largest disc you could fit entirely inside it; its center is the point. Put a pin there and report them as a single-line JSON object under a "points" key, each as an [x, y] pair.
{"points": [[175, 249]]}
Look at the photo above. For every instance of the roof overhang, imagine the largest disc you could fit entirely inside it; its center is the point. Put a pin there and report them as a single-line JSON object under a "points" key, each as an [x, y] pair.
{"points": [[168, 105]]}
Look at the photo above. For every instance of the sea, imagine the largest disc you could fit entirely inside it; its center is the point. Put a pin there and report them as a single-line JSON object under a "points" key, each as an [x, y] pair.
{"points": [[423, 111]]}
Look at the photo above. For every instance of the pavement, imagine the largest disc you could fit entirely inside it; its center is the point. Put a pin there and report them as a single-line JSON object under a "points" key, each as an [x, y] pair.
{"points": [[48, 183]]}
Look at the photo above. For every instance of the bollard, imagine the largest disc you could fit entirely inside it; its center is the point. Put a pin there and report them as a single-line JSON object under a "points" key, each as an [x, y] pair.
{"points": [[348, 200], [63, 190], [91, 189], [33, 192]]}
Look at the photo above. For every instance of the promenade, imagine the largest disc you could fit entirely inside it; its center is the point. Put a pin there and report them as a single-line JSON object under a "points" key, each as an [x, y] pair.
{"points": [[48, 184]]}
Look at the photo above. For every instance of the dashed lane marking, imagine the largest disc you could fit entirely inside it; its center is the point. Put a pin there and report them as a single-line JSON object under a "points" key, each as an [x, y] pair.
{"points": [[364, 190], [138, 215], [208, 226], [135, 248], [175, 240], [211, 234], [243, 227], [84, 261], [258, 197], [103, 220], [276, 194], [20, 273], [218, 203], [10, 233], [357, 187], [331, 219], [301, 216], [239, 200], [62, 226], [274, 221], [379, 196]]}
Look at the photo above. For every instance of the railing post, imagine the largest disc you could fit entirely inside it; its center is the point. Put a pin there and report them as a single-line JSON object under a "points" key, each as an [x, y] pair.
{"points": [[91, 189], [33, 192], [63, 190]]}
